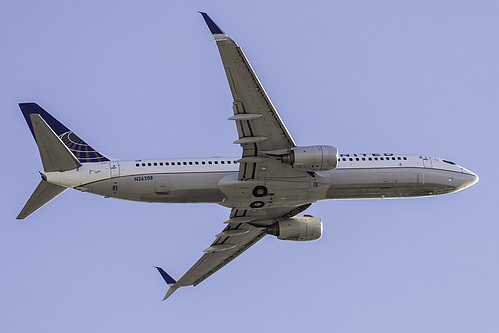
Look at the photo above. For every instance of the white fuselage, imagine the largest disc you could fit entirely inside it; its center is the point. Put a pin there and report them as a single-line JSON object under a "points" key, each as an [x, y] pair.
{"points": [[214, 180]]}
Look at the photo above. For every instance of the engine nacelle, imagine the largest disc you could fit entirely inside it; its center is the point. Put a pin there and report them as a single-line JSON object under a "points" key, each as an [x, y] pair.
{"points": [[299, 228], [313, 158]]}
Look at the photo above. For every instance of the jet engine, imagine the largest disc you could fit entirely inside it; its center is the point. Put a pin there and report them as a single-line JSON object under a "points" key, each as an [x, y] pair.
{"points": [[298, 228], [312, 158]]}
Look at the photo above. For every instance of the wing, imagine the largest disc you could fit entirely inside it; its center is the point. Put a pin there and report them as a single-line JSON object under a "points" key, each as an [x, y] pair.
{"points": [[237, 237], [262, 135], [229, 244], [259, 127]]}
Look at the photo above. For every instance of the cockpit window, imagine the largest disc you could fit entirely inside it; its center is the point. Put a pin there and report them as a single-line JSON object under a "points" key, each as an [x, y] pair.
{"points": [[449, 162]]}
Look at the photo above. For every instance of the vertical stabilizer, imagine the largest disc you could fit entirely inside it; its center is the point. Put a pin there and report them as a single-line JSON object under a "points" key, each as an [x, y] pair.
{"points": [[79, 148], [43, 193], [60, 150], [55, 155]]}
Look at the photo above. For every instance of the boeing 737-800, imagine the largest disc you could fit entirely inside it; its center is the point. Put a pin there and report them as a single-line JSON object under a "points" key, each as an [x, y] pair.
{"points": [[266, 187]]}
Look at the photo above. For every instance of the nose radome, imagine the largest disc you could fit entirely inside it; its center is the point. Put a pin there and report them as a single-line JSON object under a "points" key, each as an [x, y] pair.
{"points": [[475, 179], [472, 178]]}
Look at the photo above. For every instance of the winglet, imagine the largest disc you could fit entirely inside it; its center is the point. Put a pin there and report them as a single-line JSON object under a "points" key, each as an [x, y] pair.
{"points": [[169, 280], [170, 291], [215, 29]]}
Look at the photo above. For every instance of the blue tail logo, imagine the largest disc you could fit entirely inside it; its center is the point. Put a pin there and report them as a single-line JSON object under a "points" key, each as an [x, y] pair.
{"points": [[80, 149], [83, 152]]}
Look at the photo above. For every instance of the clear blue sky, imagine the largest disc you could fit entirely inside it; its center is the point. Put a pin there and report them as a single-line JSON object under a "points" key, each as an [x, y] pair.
{"points": [[144, 79]]}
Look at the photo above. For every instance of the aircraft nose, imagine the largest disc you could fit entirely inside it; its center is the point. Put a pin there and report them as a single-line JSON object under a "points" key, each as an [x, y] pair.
{"points": [[471, 178]]}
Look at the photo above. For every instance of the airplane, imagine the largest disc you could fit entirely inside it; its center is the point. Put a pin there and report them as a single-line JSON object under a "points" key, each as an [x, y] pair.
{"points": [[266, 187]]}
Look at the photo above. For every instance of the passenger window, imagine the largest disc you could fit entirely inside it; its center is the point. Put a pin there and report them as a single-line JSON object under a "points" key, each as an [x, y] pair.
{"points": [[190, 163], [137, 164], [148, 164], [209, 162], [223, 162], [155, 164]]}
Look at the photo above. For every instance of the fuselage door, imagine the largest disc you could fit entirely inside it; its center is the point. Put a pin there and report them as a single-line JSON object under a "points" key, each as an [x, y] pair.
{"points": [[114, 167], [427, 161]]}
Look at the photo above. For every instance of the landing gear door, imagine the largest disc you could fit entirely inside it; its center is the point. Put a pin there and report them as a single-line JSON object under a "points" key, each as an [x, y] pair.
{"points": [[427, 161], [114, 167]]}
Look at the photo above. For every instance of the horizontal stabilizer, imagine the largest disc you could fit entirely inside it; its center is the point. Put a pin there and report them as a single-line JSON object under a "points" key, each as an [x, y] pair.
{"points": [[55, 155], [44, 192]]}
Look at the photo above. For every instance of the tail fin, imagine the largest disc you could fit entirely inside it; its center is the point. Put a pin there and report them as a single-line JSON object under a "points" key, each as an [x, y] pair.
{"points": [[54, 153], [60, 150], [44, 192], [79, 148]]}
